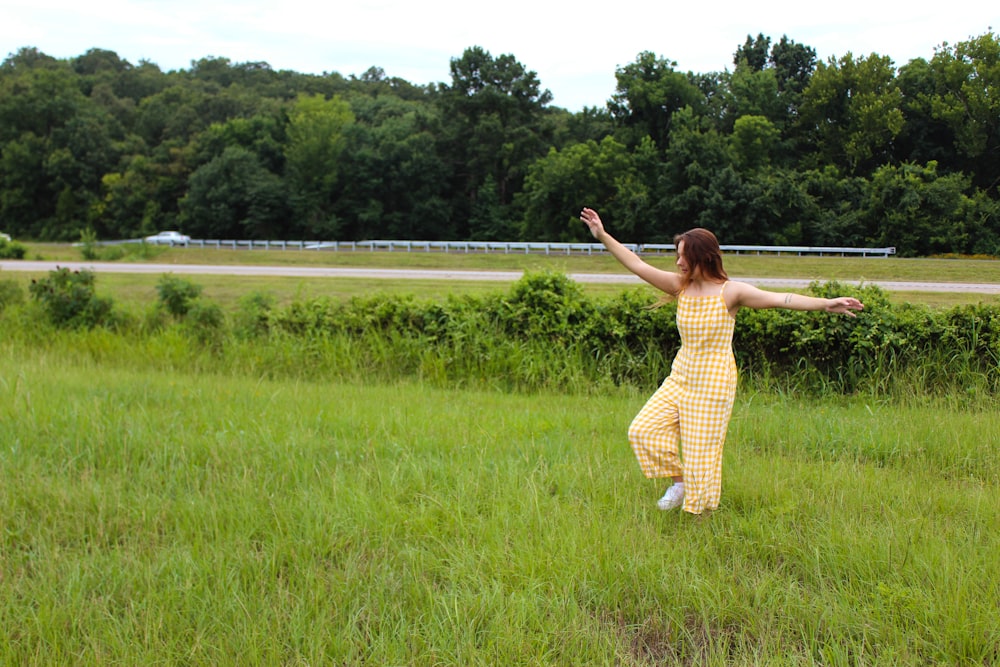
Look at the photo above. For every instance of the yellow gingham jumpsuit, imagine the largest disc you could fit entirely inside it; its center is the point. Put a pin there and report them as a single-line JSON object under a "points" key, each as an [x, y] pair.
{"points": [[682, 427]]}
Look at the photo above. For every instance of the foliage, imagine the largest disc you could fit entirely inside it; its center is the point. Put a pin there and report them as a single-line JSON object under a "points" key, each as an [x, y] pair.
{"points": [[89, 249], [604, 175], [205, 321], [12, 249], [201, 319], [492, 129], [234, 196], [177, 295], [851, 111], [397, 185], [69, 299], [907, 203], [782, 149], [626, 341], [647, 95], [966, 76], [544, 306], [316, 128], [252, 315], [11, 293], [544, 333]]}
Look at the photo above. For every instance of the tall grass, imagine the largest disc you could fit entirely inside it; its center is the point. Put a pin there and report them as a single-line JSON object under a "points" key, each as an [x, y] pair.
{"points": [[469, 350], [167, 515], [178, 491]]}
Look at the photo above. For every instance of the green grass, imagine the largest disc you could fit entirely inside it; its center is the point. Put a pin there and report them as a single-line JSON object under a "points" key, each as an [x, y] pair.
{"points": [[135, 290], [775, 266], [138, 289], [166, 517]]}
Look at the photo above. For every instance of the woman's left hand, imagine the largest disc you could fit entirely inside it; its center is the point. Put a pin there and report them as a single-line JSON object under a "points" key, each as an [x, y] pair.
{"points": [[844, 304]]}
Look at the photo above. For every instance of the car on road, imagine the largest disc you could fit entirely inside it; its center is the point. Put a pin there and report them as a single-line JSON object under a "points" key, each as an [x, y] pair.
{"points": [[169, 237], [4, 236]]}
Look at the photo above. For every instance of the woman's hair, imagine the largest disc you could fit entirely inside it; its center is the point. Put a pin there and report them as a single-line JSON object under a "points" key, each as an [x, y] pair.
{"points": [[701, 251]]}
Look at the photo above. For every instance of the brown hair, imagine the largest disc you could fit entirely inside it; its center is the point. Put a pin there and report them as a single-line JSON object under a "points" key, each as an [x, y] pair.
{"points": [[701, 251]]}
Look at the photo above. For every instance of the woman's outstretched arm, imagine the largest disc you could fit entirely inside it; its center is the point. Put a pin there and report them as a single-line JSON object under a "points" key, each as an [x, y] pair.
{"points": [[663, 280], [743, 295]]}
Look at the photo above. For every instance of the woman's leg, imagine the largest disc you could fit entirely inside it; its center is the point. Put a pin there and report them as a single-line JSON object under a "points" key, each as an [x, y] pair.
{"points": [[655, 433], [703, 430]]}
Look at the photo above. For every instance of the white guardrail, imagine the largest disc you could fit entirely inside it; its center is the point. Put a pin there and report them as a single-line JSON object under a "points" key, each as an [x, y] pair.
{"points": [[520, 247]]}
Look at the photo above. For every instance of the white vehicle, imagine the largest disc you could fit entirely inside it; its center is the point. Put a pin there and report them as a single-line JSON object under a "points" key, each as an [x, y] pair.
{"points": [[170, 237], [4, 236]]}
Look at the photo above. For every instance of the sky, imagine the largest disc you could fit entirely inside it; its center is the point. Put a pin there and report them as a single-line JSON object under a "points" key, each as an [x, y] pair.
{"points": [[574, 50]]}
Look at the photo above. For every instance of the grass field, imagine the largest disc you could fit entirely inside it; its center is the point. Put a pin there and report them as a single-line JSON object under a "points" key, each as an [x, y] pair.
{"points": [[775, 266], [226, 290], [156, 509], [170, 518]]}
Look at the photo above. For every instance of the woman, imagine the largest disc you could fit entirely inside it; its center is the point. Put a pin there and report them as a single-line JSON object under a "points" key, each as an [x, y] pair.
{"points": [[680, 431]]}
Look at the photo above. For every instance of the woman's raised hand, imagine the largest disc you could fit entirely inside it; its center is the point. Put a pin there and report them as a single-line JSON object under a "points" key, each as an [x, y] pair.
{"points": [[593, 221]]}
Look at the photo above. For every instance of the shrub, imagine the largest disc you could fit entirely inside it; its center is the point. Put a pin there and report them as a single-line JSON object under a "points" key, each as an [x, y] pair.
{"points": [[252, 315], [143, 250], [12, 250], [545, 305], [543, 333], [111, 253], [205, 321], [92, 250], [544, 329], [69, 300], [89, 249], [177, 294]]}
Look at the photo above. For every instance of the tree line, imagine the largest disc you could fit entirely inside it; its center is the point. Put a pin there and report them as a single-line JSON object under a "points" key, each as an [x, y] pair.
{"points": [[782, 149]]}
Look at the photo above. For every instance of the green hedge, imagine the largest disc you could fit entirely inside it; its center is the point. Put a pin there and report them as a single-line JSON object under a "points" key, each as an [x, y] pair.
{"points": [[542, 333], [626, 341]]}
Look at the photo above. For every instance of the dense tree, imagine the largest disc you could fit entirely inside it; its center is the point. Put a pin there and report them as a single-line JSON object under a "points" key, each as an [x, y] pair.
{"points": [[966, 99], [398, 185], [766, 81], [170, 117], [754, 53], [753, 142], [28, 57], [493, 127], [374, 82], [924, 138], [780, 149], [793, 64], [263, 134], [129, 206], [234, 197], [753, 93], [648, 93], [698, 152], [589, 124], [906, 204], [603, 175], [851, 110], [312, 159], [97, 65], [55, 146], [25, 196]]}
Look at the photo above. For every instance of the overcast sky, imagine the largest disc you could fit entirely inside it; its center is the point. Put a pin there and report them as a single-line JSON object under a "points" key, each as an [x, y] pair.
{"points": [[574, 49]]}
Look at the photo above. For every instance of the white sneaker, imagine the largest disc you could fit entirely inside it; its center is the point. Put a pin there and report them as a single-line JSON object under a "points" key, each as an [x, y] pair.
{"points": [[674, 497]]}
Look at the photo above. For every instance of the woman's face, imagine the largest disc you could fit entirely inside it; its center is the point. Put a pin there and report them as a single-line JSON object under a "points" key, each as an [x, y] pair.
{"points": [[682, 264]]}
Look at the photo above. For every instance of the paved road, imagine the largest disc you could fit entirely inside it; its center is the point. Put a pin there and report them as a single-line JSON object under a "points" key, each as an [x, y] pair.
{"points": [[433, 274]]}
